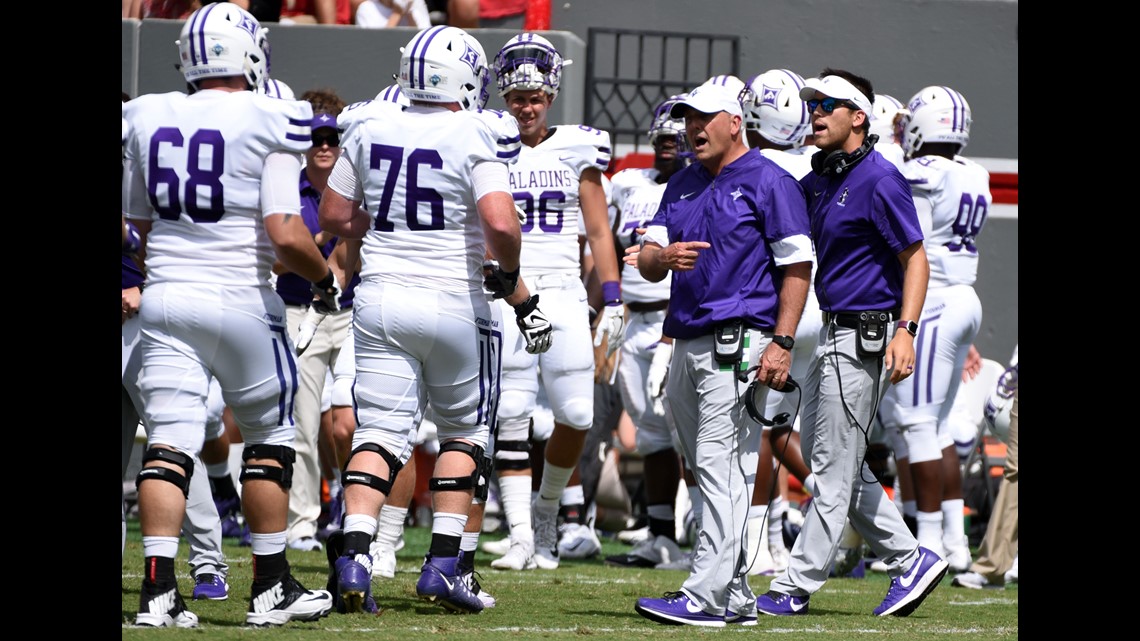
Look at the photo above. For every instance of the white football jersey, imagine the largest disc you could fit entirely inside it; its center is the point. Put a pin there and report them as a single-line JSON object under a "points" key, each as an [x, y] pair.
{"points": [[414, 168], [193, 167], [795, 164], [953, 200], [893, 152], [545, 185], [637, 195]]}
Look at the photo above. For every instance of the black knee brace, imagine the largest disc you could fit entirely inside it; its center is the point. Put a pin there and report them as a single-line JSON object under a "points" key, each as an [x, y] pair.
{"points": [[461, 483], [483, 488], [503, 463], [283, 454], [181, 481], [384, 486]]}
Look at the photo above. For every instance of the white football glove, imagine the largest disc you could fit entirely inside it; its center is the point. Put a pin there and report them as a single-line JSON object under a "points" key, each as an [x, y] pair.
{"points": [[535, 328], [308, 328], [655, 381], [520, 213], [611, 327]]}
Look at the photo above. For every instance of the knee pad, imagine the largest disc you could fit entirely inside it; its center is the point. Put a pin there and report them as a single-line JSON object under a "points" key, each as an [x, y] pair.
{"points": [[512, 455], [181, 481], [514, 404], [437, 484], [922, 442], [356, 477], [578, 414], [283, 454]]}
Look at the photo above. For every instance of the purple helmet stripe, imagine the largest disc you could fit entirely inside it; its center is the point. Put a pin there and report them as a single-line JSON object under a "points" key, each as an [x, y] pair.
{"points": [[797, 81], [959, 111], [418, 52], [200, 29]]}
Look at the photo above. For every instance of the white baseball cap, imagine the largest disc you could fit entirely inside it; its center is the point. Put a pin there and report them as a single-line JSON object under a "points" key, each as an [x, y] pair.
{"points": [[838, 88], [710, 98]]}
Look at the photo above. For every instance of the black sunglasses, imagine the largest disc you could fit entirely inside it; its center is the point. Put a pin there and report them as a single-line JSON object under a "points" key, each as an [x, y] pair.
{"points": [[332, 139], [829, 104]]}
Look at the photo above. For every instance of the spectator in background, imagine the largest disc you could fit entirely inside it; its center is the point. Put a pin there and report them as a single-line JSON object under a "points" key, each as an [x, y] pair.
{"points": [[381, 14], [172, 9], [316, 12], [263, 10]]}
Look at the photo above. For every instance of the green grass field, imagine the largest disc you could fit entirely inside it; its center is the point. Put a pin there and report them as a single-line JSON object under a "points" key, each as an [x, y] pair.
{"points": [[582, 599]]}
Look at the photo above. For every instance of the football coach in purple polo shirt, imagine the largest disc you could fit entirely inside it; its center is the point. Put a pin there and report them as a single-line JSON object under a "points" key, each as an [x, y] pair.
{"points": [[733, 229], [871, 282]]}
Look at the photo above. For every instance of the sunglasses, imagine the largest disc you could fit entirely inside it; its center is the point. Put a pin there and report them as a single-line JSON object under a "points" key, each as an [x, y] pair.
{"points": [[332, 139], [829, 104]]}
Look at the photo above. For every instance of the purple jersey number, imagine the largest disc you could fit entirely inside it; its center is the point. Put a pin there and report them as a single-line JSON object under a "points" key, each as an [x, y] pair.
{"points": [[164, 188], [394, 157], [549, 218]]}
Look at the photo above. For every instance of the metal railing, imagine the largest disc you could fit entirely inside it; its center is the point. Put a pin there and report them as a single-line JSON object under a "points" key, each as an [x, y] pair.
{"points": [[630, 72]]}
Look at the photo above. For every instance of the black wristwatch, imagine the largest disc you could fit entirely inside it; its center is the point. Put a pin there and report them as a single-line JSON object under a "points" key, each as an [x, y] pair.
{"points": [[787, 342]]}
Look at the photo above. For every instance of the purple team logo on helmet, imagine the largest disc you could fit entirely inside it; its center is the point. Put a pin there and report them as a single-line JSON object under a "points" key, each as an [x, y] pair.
{"points": [[471, 57], [247, 23], [769, 96]]}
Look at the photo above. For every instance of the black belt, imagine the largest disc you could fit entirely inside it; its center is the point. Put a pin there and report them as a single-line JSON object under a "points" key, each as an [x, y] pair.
{"points": [[652, 306], [851, 319]]}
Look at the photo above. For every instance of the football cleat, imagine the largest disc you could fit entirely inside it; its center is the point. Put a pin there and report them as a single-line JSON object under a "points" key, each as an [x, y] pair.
{"points": [[163, 608], [287, 600], [440, 582]]}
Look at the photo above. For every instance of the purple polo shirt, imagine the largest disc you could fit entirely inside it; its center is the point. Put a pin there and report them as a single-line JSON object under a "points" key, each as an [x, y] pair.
{"points": [[293, 289], [753, 202], [860, 221]]}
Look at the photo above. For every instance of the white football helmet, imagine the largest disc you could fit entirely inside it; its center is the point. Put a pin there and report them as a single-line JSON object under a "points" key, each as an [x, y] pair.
{"points": [[1000, 403], [743, 91], [221, 40], [445, 64], [276, 89], [528, 61], [884, 110], [665, 125], [776, 110], [937, 114], [392, 93]]}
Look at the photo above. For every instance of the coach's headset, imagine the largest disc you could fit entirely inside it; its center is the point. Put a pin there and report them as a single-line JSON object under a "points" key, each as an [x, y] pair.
{"points": [[756, 388], [838, 161]]}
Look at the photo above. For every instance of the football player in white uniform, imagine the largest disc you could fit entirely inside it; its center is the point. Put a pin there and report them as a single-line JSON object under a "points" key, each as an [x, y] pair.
{"points": [[426, 189], [952, 196], [887, 117], [775, 122], [557, 179], [210, 181], [637, 194]]}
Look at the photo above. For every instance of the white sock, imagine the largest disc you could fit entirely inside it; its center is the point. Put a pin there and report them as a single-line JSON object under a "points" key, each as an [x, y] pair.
{"points": [[514, 496], [391, 525], [554, 480], [930, 532], [953, 524], [776, 512]]}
